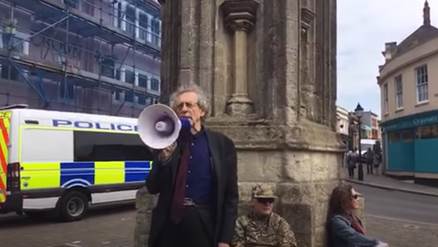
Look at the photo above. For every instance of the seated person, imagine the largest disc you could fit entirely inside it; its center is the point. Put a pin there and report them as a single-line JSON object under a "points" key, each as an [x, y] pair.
{"points": [[262, 227], [344, 228]]}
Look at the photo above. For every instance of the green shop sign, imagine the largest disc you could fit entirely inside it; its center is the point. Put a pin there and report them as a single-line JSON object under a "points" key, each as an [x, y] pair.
{"points": [[409, 122]]}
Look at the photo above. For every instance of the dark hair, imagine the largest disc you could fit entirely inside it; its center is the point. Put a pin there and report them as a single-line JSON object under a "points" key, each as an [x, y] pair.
{"points": [[339, 201]]}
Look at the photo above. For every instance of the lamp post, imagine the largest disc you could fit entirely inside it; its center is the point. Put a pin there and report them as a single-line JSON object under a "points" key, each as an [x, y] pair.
{"points": [[358, 112]]}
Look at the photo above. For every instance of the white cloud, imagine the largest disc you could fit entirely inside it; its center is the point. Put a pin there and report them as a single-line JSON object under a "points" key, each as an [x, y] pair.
{"points": [[363, 29]]}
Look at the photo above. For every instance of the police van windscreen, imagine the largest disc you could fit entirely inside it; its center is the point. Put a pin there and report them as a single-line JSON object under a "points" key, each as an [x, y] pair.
{"points": [[98, 146]]}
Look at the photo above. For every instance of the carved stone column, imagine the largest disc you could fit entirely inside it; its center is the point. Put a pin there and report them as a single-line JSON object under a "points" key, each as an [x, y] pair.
{"points": [[239, 18]]}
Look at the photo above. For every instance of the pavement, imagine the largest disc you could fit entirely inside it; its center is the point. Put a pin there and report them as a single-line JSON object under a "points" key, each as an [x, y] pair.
{"points": [[389, 183]]}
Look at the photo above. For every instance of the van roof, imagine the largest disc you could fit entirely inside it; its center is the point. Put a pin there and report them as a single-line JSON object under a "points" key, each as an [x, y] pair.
{"points": [[45, 114]]}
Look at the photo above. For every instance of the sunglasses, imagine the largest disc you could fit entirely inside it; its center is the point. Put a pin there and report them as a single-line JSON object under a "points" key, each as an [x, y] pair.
{"points": [[265, 200], [356, 196]]}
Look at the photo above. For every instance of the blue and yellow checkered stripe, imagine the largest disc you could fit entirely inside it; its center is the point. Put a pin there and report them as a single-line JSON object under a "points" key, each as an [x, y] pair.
{"points": [[47, 175]]}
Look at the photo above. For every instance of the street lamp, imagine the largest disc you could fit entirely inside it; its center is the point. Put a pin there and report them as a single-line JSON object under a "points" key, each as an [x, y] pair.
{"points": [[358, 112]]}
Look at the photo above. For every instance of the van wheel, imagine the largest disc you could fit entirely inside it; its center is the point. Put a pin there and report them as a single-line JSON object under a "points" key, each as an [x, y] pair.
{"points": [[73, 206]]}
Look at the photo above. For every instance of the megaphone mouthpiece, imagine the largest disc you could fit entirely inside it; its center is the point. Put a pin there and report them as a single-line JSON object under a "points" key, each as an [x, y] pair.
{"points": [[164, 127], [185, 123]]}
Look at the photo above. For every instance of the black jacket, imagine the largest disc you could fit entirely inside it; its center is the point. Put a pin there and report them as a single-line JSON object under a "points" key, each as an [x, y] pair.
{"points": [[223, 158]]}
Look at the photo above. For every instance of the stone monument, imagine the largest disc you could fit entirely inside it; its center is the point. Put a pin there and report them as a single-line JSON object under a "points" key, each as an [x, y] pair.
{"points": [[269, 67]]}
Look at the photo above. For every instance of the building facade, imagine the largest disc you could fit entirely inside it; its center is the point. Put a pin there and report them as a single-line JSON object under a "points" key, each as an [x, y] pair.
{"points": [[409, 103], [96, 56], [342, 122]]}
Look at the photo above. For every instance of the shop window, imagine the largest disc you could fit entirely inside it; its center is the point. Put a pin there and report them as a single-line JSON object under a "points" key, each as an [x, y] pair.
{"points": [[394, 137], [428, 132], [407, 136]]}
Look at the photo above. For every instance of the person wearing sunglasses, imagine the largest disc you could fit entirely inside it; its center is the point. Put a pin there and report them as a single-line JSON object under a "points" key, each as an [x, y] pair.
{"points": [[344, 228], [261, 226]]}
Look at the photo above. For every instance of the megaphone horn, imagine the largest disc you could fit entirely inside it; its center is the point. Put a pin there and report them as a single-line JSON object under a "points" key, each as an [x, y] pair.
{"points": [[159, 126]]}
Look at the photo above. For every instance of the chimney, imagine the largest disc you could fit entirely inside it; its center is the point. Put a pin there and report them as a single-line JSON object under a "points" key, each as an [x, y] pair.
{"points": [[426, 14], [390, 50]]}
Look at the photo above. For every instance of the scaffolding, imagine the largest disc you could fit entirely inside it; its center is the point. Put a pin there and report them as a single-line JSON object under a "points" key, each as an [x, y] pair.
{"points": [[83, 44]]}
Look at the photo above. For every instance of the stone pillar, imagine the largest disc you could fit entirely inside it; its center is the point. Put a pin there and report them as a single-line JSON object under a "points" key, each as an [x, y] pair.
{"points": [[239, 18], [249, 57]]}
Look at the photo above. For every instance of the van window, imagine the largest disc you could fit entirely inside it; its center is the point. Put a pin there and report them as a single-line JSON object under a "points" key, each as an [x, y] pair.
{"points": [[97, 146], [46, 145]]}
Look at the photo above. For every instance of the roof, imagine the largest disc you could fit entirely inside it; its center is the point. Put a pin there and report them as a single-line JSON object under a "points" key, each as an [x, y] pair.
{"points": [[423, 34], [417, 38]]}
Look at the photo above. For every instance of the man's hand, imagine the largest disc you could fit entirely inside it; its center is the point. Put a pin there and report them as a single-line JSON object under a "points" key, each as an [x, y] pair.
{"points": [[167, 152], [223, 245]]}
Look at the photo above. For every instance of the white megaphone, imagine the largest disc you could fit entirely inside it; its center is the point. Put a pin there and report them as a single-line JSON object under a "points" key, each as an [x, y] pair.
{"points": [[159, 126]]}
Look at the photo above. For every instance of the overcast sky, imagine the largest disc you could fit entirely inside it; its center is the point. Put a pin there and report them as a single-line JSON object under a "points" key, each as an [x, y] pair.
{"points": [[363, 29]]}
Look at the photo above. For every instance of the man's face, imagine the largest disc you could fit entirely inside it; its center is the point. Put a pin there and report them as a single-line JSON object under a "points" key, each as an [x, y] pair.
{"points": [[263, 206], [187, 106]]}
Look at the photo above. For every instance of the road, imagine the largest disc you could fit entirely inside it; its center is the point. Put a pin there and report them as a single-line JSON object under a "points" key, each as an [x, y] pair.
{"points": [[105, 226], [400, 205], [401, 219]]}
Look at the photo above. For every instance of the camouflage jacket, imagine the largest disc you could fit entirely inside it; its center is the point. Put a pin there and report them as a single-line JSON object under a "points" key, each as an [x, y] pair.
{"points": [[256, 231]]}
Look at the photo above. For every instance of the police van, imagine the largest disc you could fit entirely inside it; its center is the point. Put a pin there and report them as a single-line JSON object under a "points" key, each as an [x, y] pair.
{"points": [[67, 161]]}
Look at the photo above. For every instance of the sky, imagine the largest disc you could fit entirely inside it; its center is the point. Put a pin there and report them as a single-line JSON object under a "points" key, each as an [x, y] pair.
{"points": [[363, 29]]}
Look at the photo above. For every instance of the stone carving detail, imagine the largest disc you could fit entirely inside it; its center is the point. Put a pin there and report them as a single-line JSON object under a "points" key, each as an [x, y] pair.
{"points": [[239, 17]]}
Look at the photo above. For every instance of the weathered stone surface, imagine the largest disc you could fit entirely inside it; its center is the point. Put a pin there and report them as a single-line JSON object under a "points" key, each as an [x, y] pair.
{"points": [[288, 137], [143, 204]]}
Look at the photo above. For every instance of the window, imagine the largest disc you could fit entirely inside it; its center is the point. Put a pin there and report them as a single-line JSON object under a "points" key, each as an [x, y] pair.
{"points": [[141, 99], [117, 95], [428, 132], [129, 96], [119, 15], [97, 146], [385, 98], [46, 153], [72, 3], [129, 76], [142, 80], [107, 67], [8, 72], [66, 90], [155, 32], [17, 42], [422, 83], [88, 7], [398, 92], [155, 84], [143, 26], [130, 20]]}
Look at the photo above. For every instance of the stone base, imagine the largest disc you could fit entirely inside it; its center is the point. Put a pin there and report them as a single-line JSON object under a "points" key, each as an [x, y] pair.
{"points": [[302, 162], [239, 105]]}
